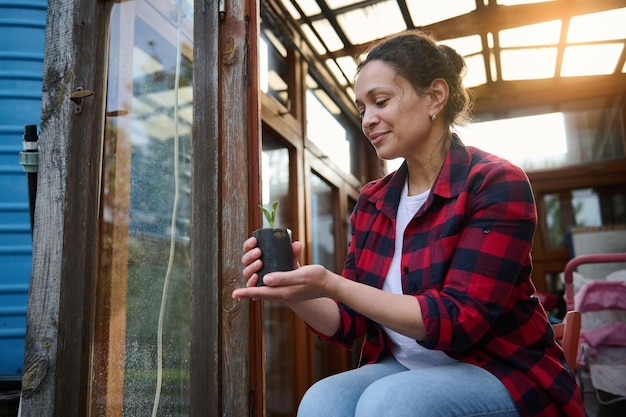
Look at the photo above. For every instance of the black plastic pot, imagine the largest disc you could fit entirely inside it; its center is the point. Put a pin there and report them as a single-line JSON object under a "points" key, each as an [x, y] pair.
{"points": [[276, 253]]}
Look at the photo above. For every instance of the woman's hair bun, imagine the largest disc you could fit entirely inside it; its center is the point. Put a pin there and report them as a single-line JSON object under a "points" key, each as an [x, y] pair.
{"points": [[456, 61]]}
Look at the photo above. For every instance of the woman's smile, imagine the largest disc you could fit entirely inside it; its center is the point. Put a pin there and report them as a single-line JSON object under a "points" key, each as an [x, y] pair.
{"points": [[377, 137]]}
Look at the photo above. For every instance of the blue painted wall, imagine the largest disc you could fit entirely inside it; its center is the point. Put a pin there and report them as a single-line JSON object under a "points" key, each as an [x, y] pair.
{"points": [[22, 39]]}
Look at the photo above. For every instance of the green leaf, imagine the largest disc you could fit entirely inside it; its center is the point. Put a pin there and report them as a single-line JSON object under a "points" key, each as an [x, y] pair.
{"points": [[270, 216]]}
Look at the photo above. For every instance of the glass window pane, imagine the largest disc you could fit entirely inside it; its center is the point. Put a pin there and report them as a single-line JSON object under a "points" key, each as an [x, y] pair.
{"points": [[426, 12], [324, 129], [544, 33], [531, 140], [516, 2], [279, 331], [309, 7], [601, 26], [275, 180], [345, 70], [142, 347], [470, 47], [476, 72], [552, 140], [594, 135], [584, 207], [466, 45], [528, 63], [371, 22], [273, 67], [555, 235], [322, 223], [583, 60], [329, 358], [328, 35]]}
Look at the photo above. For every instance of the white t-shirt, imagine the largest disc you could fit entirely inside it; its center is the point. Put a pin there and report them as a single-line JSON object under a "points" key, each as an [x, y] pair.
{"points": [[406, 350]]}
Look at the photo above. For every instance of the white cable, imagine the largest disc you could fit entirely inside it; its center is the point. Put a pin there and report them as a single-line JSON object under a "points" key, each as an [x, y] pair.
{"points": [[170, 263]]}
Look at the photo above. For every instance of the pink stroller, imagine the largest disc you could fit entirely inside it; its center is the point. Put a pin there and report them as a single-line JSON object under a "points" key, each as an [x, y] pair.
{"points": [[602, 348]]}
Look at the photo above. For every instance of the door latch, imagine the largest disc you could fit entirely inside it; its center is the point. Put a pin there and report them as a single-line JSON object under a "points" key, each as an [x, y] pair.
{"points": [[78, 96]]}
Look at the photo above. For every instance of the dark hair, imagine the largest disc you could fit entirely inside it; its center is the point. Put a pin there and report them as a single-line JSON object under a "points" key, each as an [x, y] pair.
{"points": [[416, 56]]}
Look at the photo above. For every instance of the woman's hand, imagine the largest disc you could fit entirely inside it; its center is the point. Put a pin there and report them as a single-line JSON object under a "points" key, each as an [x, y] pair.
{"points": [[291, 287], [301, 284], [304, 289], [251, 260], [310, 291]]}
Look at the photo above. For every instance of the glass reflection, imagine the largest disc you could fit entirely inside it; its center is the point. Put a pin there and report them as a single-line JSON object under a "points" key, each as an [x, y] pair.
{"points": [[279, 325], [322, 222], [273, 63], [585, 207], [323, 248], [325, 130], [142, 342]]}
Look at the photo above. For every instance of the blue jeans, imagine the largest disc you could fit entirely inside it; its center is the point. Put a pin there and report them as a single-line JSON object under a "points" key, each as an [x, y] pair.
{"points": [[390, 389]]}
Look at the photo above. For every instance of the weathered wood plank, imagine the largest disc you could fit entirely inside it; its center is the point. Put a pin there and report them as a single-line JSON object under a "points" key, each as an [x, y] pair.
{"points": [[256, 349], [205, 399], [234, 206], [43, 313], [60, 316]]}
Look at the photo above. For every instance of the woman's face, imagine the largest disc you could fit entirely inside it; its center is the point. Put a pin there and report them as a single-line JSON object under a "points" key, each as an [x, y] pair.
{"points": [[394, 117]]}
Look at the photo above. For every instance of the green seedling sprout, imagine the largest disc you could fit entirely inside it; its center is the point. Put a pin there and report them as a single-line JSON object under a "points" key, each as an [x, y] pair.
{"points": [[270, 215]]}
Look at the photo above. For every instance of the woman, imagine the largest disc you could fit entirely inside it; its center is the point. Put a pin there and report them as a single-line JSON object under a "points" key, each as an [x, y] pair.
{"points": [[438, 273]]}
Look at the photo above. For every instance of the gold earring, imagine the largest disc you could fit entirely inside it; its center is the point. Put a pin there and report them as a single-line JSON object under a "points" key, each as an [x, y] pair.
{"points": [[433, 117]]}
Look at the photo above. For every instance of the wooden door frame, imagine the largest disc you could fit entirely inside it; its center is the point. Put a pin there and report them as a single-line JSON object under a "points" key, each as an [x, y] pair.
{"points": [[61, 313]]}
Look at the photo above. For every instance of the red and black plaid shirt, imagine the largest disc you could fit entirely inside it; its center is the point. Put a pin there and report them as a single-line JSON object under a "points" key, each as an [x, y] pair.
{"points": [[466, 258]]}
